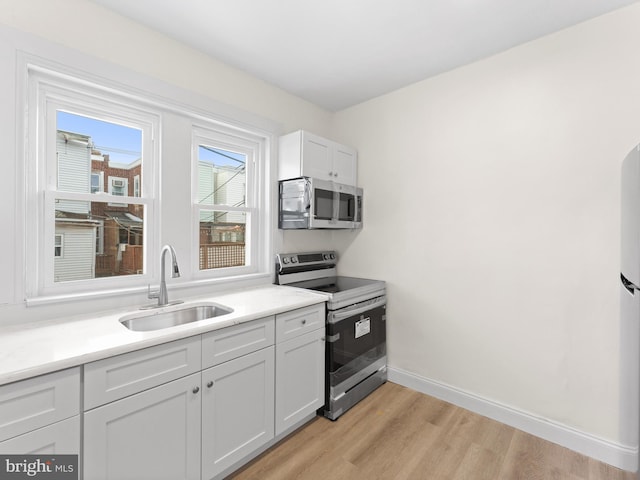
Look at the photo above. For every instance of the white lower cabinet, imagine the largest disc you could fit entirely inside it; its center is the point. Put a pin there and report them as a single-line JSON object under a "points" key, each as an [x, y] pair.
{"points": [[299, 378], [152, 435], [40, 415], [59, 438], [199, 407], [300, 365], [237, 410]]}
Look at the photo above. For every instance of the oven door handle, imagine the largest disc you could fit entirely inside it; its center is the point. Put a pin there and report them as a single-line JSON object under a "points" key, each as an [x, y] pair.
{"points": [[339, 315]]}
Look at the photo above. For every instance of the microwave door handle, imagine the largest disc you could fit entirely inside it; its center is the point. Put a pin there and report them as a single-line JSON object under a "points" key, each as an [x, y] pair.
{"points": [[343, 313]]}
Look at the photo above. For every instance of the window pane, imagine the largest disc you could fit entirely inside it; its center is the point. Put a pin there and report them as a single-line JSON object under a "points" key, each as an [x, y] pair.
{"points": [[85, 147], [221, 177], [99, 240], [96, 185], [222, 239], [58, 246]]}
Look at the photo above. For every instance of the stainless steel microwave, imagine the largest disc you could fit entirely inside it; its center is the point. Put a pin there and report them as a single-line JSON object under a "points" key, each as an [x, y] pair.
{"points": [[308, 203]]}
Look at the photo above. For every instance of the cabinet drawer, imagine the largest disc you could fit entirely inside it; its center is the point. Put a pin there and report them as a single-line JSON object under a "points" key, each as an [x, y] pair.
{"points": [[232, 342], [37, 402], [123, 375], [297, 322], [60, 438]]}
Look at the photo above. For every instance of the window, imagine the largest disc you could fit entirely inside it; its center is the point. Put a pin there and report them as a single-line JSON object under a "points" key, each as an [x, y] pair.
{"points": [[136, 186], [58, 245], [93, 182], [226, 200], [118, 187], [83, 138], [97, 182]]}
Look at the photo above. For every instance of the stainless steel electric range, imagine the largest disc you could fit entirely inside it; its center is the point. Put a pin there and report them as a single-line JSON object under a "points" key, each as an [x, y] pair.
{"points": [[356, 352]]}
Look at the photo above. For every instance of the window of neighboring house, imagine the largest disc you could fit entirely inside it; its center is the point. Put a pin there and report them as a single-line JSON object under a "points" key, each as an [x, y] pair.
{"points": [[136, 186], [74, 125], [119, 187], [100, 239], [227, 206], [97, 182], [58, 245]]}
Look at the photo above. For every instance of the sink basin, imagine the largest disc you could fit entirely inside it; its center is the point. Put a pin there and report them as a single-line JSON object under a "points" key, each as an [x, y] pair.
{"points": [[149, 321]]}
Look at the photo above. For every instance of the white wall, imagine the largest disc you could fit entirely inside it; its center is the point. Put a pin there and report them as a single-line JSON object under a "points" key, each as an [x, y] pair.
{"points": [[492, 210], [89, 28]]}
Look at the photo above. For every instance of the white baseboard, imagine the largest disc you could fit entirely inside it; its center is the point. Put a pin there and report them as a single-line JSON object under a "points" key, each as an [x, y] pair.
{"points": [[620, 456]]}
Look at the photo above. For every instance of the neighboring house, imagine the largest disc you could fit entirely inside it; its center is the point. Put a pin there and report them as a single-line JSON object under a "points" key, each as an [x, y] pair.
{"points": [[75, 230], [99, 239], [96, 239], [119, 246], [74, 247]]}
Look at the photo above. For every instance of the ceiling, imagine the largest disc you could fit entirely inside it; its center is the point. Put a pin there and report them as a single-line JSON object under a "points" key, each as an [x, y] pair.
{"points": [[337, 53]]}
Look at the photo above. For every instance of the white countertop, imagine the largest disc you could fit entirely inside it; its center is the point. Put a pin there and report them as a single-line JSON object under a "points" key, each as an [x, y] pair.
{"points": [[43, 347]]}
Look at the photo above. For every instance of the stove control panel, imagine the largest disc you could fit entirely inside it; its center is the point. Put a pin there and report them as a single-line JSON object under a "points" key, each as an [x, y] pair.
{"points": [[311, 259]]}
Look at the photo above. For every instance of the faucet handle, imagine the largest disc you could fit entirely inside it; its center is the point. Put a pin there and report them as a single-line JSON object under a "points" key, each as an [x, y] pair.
{"points": [[152, 294]]}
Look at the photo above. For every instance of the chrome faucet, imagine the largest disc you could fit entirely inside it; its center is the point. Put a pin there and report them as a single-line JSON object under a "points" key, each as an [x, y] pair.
{"points": [[162, 295]]}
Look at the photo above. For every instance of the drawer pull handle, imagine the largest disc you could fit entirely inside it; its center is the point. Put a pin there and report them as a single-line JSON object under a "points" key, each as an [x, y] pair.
{"points": [[196, 389], [210, 384]]}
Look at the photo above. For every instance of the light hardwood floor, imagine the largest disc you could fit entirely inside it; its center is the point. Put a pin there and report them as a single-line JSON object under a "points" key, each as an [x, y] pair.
{"points": [[397, 433]]}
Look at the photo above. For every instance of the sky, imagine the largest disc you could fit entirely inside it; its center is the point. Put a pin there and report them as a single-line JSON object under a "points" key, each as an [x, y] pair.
{"points": [[124, 144]]}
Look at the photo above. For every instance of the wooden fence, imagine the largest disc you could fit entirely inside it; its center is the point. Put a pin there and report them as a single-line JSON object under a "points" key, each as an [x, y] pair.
{"points": [[220, 255]]}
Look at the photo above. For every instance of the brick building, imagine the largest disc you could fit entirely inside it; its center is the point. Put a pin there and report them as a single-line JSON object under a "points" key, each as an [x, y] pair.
{"points": [[119, 241]]}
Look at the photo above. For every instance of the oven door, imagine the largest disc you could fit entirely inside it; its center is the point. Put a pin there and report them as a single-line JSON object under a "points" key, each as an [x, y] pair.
{"points": [[356, 338]]}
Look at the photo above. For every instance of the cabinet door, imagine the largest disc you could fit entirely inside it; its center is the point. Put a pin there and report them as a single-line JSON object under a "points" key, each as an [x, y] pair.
{"points": [[344, 165], [237, 410], [152, 435], [316, 157], [60, 438], [300, 369]]}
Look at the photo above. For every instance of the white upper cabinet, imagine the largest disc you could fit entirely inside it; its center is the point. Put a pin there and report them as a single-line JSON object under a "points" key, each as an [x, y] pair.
{"points": [[303, 154]]}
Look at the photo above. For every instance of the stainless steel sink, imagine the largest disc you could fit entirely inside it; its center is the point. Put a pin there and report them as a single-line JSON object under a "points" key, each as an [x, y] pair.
{"points": [[149, 321]]}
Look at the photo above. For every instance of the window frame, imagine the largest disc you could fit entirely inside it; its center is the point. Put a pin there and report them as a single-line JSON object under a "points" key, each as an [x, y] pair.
{"points": [[48, 92], [255, 149], [164, 102]]}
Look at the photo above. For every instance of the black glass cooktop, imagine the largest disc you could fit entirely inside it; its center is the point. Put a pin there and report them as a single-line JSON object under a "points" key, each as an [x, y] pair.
{"points": [[334, 284]]}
